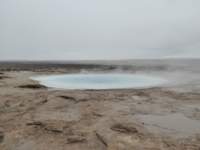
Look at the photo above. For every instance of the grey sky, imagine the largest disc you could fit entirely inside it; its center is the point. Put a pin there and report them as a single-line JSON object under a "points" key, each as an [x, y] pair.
{"points": [[99, 29]]}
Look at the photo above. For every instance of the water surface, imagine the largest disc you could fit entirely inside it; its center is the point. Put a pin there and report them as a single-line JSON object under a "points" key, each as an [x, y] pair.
{"points": [[99, 81], [176, 124]]}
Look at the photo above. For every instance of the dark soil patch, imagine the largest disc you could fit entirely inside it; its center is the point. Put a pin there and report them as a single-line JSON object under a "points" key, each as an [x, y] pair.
{"points": [[33, 86]]}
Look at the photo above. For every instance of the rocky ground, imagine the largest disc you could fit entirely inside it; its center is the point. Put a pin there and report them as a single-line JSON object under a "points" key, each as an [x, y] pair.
{"points": [[34, 117]]}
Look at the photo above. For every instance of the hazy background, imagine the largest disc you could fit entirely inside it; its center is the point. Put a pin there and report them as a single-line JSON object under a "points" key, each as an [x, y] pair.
{"points": [[99, 29]]}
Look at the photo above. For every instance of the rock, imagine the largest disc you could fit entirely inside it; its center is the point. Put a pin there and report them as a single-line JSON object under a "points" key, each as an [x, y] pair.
{"points": [[1, 136], [97, 114], [76, 139], [46, 127], [53, 129], [33, 86], [44, 101], [3, 77], [124, 128], [74, 99], [36, 123], [68, 98], [101, 139]]}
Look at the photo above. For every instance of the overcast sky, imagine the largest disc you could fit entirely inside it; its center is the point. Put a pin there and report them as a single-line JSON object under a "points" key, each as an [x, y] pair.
{"points": [[99, 29]]}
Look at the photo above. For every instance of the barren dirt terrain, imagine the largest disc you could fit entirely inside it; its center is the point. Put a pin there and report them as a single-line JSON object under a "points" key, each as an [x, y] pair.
{"points": [[35, 117]]}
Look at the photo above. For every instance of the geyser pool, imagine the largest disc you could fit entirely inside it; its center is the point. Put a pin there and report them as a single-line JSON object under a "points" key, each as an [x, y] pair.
{"points": [[99, 81]]}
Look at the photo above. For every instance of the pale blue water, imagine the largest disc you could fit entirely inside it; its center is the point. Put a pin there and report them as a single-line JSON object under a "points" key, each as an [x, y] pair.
{"points": [[99, 81]]}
